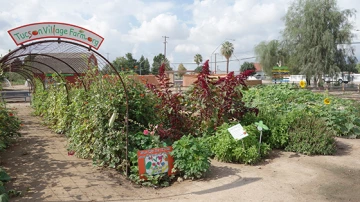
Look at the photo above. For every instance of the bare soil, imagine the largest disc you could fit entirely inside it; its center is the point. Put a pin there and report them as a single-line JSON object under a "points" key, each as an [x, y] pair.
{"points": [[41, 168]]}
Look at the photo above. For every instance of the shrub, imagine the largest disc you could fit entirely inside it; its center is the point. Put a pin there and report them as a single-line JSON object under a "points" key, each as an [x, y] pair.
{"points": [[175, 123], [309, 136], [85, 120], [9, 127], [4, 177], [191, 157], [215, 101], [226, 148], [281, 105]]}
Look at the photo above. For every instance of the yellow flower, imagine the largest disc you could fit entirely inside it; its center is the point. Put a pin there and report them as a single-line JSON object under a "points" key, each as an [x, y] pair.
{"points": [[302, 84], [326, 101]]}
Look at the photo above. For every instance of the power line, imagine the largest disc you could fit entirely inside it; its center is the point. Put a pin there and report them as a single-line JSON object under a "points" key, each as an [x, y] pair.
{"points": [[165, 45], [213, 62]]}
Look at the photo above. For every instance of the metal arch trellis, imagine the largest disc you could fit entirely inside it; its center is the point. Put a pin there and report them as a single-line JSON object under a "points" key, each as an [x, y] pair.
{"points": [[43, 82], [24, 67], [26, 75], [29, 72], [35, 54], [45, 47]]}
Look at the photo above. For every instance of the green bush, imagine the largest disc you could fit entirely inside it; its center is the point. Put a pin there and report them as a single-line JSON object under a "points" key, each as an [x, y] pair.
{"points": [[85, 119], [225, 148], [9, 127], [191, 157], [4, 197], [309, 136], [281, 105]]}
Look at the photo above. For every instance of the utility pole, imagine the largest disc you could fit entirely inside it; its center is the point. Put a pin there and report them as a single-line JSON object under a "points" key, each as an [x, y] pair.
{"points": [[165, 45], [215, 62]]}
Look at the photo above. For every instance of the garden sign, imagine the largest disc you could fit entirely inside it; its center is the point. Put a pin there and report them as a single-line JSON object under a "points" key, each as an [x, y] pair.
{"points": [[44, 30], [238, 132], [155, 161]]}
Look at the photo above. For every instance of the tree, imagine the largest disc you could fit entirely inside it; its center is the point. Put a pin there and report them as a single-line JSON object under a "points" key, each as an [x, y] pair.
{"points": [[313, 30], [227, 49], [248, 66], [147, 66], [198, 69], [358, 67], [157, 61], [346, 62], [181, 70], [130, 61], [270, 54], [144, 65], [198, 59], [120, 63]]}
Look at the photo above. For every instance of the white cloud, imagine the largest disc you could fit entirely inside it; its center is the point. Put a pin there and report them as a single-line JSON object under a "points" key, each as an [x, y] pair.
{"points": [[187, 48], [161, 25], [137, 26]]}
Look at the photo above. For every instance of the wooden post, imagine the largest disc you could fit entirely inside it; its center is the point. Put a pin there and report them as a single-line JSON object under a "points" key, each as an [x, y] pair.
{"points": [[343, 87]]}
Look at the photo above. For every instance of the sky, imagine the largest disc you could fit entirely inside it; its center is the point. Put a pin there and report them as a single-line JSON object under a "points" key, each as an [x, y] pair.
{"points": [[139, 26]]}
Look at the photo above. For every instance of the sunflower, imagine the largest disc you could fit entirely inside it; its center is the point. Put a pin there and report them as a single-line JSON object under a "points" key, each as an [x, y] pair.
{"points": [[326, 101], [302, 84]]}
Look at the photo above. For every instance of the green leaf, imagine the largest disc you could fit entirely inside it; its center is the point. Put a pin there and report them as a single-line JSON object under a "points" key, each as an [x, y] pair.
{"points": [[4, 198], [2, 188], [148, 165], [4, 177]]}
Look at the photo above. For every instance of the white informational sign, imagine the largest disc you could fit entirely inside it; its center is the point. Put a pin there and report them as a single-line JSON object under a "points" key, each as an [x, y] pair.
{"points": [[238, 132], [44, 30]]}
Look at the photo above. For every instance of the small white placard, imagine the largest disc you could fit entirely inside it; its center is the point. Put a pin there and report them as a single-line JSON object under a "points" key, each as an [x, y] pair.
{"points": [[238, 132]]}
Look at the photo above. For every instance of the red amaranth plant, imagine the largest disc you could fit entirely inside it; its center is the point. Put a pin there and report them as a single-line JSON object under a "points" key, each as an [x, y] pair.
{"points": [[176, 123], [216, 101]]}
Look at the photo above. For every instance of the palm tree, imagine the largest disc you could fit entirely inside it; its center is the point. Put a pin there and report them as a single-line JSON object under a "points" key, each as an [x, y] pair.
{"points": [[227, 49], [198, 59]]}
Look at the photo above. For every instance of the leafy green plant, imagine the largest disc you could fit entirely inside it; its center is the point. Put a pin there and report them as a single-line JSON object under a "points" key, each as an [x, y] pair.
{"points": [[4, 177], [280, 106], [9, 126], [191, 157], [226, 148], [85, 118], [309, 136]]}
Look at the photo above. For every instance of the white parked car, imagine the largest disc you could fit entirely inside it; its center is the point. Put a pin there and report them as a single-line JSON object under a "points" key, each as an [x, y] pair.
{"points": [[341, 78]]}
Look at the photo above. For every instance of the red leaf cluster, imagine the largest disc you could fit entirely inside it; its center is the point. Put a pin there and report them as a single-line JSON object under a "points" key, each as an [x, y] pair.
{"points": [[176, 124], [220, 100]]}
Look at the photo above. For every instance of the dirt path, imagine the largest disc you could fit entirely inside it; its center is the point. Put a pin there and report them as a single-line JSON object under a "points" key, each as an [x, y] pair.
{"points": [[41, 168]]}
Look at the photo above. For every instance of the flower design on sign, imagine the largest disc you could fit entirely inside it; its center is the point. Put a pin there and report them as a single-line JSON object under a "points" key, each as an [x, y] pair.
{"points": [[156, 164]]}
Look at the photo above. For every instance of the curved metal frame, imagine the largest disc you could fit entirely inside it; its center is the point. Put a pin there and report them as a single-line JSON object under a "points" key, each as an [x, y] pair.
{"points": [[57, 73], [21, 55], [26, 75], [6, 58]]}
